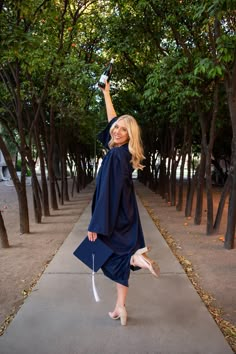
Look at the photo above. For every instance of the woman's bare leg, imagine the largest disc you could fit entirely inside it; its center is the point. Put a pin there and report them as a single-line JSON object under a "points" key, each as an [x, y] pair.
{"points": [[122, 292]]}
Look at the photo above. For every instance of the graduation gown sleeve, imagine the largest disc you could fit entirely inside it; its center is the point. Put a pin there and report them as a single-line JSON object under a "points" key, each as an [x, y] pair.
{"points": [[111, 179]]}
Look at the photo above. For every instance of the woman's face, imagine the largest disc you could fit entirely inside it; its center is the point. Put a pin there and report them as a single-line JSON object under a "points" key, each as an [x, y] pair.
{"points": [[120, 133]]}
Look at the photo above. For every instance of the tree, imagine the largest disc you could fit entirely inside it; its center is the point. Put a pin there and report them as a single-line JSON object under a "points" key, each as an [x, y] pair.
{"points": [[3, 233]]}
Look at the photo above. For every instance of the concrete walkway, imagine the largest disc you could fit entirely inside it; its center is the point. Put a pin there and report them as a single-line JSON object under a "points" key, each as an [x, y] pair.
{"points": [[166, 316]]}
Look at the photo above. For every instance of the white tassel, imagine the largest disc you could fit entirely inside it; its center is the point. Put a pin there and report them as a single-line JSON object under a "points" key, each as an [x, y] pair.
{"points": [[95, 293]]}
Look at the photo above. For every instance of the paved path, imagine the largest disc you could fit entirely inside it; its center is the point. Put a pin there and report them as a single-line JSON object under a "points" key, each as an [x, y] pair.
{"points": [[166, 316]]}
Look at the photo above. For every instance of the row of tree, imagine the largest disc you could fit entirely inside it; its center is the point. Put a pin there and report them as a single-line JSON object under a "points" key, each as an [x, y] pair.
{"points": [[46, 106], [194, 87], [175, 71]]}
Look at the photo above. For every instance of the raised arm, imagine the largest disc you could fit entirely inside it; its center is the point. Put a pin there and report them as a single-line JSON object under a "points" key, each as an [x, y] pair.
{"points": [[111, 113]]}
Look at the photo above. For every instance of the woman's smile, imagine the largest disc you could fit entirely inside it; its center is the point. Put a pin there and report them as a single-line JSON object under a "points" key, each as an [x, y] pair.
{"points": [[120, 134]]}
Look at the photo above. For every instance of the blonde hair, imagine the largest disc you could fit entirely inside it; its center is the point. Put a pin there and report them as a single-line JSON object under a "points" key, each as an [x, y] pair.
{"points": [[135, 145]]}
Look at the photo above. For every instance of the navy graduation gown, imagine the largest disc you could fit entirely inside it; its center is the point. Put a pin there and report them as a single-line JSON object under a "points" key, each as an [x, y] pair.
{"points": [[115, 216]]}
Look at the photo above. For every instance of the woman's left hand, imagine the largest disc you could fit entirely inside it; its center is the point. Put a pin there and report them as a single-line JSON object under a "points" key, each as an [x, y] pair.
{"points": [[92, 236]]}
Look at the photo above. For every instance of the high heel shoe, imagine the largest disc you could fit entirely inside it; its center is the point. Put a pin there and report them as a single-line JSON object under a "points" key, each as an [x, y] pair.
{"points": [[140, 259], [122, 315], [143, 250]]}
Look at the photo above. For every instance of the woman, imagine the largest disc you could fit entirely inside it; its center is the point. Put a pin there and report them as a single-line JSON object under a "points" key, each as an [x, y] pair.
{"points": [[115, 217]]}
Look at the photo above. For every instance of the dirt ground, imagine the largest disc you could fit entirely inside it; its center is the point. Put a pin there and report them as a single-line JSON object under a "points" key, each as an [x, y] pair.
{"points": [[22, 264], [214, 267]]}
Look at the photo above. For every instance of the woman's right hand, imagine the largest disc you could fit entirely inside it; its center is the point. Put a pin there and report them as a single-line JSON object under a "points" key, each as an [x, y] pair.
{"points": [[106, 89], [111, 113], [92, 236]]}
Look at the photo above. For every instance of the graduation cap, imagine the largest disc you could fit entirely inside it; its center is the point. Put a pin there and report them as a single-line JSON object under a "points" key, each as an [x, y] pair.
{"points": [[94, 254]]}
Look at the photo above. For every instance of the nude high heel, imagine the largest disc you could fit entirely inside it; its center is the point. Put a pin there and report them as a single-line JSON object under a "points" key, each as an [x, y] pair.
{"points": [[143, 250], [122, 316], [140, 259]]}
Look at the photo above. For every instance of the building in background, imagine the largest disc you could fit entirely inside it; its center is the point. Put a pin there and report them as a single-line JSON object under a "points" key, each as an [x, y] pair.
{"points": [[4, 173]]}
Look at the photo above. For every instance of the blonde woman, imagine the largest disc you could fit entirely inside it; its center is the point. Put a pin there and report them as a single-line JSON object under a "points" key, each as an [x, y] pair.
{"points": [[115, 217]]}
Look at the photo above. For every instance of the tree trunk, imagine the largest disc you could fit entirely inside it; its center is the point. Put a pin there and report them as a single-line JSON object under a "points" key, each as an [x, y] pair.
{"points": [[145, 172], [3, 233], [66, 195], [231, 223], [37, 201], [188, 206], [209, 226], [208, 152], [62, 194], [221, 205], [20, 189], [172, 167], [77, 164], [182, 156], [36, 192], [167, 182], [70, 162], [84, 172], [23, 207], [200, 189], [51, 174], [190, 194], [157, 171], [45, 197], [73, 185], [64, 175], [173, 182], [162, 177], [179, 206]]}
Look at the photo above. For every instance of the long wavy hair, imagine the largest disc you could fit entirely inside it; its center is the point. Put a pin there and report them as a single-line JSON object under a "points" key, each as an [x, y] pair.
{"points": [[135, 144]]}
